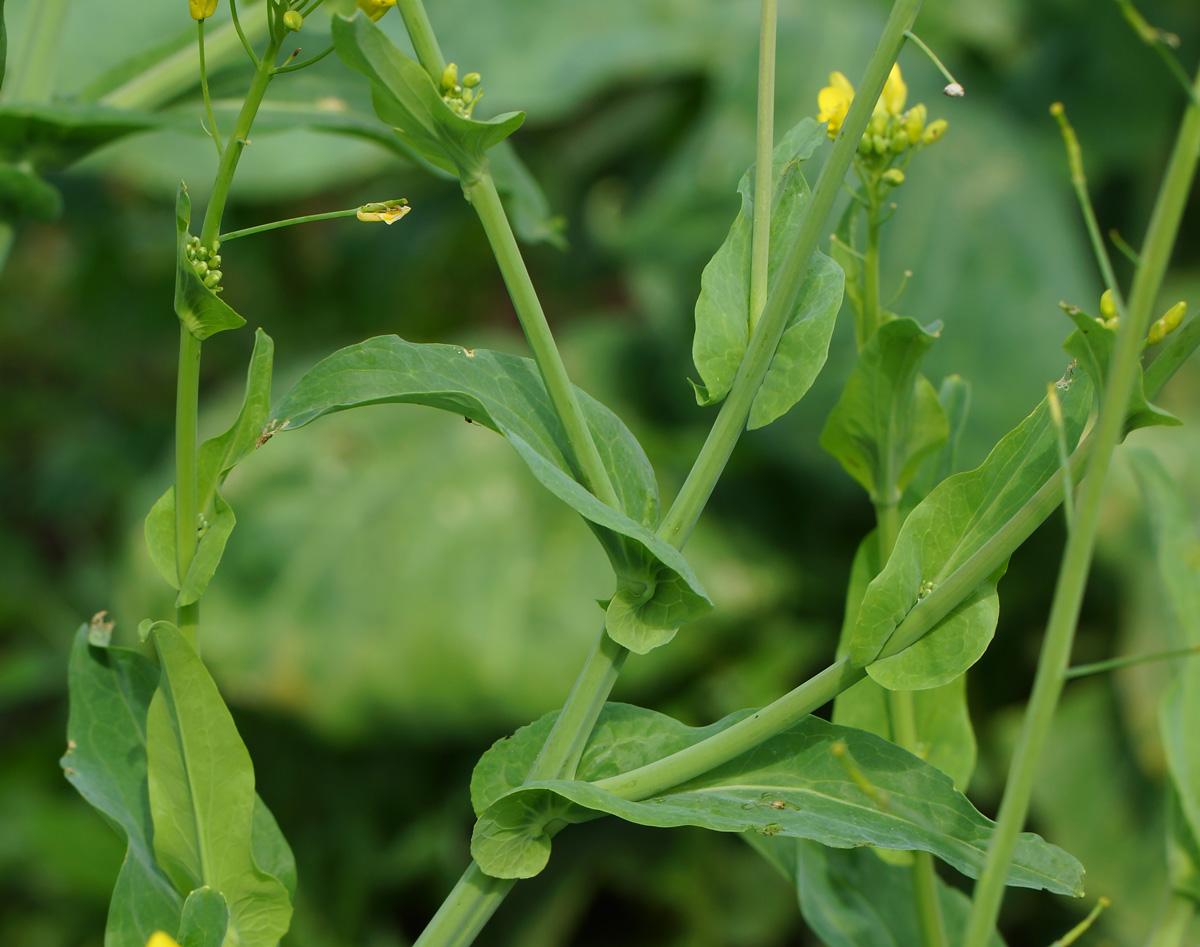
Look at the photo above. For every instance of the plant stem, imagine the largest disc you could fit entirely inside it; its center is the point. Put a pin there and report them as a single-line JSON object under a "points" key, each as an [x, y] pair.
{"points": [[33, 79], [1174, 921], [731, 420], [466, 910], [1132, 660], [425, 44], [208, 109], [1064, 613], [291, 221], [872, 310], [486, 201], [764, 176], [8, 232], [177, 73]]}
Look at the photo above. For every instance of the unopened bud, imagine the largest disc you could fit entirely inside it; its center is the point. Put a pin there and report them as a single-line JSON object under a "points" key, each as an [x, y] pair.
{"points": [[900, 143], [293, 20], [1170, 321], [449, 78], [954, 90], [201, 268], [914, 123], [935, 130], [214, 261], [893, 176], [202, 9], [471, 80], [1108, 305], [881, 145], [375, 8], [213, 278]]}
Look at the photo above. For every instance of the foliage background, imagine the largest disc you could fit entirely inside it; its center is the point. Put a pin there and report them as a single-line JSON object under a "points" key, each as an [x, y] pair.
{"points": [[399, 593]]}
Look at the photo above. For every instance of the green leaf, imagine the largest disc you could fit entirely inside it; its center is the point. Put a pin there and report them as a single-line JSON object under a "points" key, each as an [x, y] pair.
{"points": [[406, 98], [723, 308], [24, 194], [854, 899], [941, 534], [214, 460], [1092, 344], [200, 309], [1177, 548], [54, 136], [105, 760], [205, 919], [888, 418], [657, 591], [833, 784], [202, 795], [943, 721]]}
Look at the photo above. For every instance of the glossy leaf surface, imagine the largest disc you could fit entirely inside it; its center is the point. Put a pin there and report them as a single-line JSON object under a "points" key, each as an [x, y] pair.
{"points": [[723, 308], [202, 796], [941, 534], [657, 590], [836, 785]]}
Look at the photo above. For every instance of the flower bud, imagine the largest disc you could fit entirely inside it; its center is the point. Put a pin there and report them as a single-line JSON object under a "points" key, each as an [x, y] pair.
{"points": [[881, 145], [471, 80], [934, 131], [375, 8], [893, 176], [1108, 305], [213, 278], [201, 268], [161, 939], [1167, 324], [900, 143], [293, 20], [449, 78], [214, 261], [914, 123], [202, 9]]}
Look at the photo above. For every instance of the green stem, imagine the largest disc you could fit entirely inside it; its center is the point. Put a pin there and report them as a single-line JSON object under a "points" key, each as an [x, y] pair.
{"points": [[176, 74], [1131, 660], [764, 177], [290, 222], [486, 201], [731, 420], [187, 399], [1064, 612], [466, 910], [424, 41], [1174, 921], [8, 232], [33, 79], [872, 309], [208, 109]]}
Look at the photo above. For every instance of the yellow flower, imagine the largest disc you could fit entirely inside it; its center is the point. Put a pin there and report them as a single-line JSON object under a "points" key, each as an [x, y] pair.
{"points": [[834, 100], [202, 10], [161, 938], [375, 8], [387, 212]]}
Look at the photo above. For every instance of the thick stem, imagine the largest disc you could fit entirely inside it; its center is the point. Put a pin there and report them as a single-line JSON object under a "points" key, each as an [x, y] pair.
{"points": [[33, 79], [486, 201], [466, 910], [764, 178], [1064, 613], [187, 397], [425, 44], [1174, 921], [177, 73]]}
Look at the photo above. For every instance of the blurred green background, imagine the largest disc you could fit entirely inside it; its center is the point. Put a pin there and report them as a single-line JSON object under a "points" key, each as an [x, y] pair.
{"points": [[399, 593]]}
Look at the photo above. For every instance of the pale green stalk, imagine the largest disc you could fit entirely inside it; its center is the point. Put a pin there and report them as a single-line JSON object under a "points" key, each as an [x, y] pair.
{"points": [[187, 395], [1132, 660], [213, 132], [32, 81], [764, 177], [289, 222], [424, 40], [1064, 613], [1174, 922]]}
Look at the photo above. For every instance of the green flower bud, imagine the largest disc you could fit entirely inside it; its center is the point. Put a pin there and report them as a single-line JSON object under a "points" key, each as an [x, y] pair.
{"points": [[934, 131], [1170, 321], [881, 145], [201, 268], [864, 146], [900, 143], [914, 123], [213, 278], [893, 176], [449, 78], [293, 20], [471, 80], [214, 261], [1108, 305]]}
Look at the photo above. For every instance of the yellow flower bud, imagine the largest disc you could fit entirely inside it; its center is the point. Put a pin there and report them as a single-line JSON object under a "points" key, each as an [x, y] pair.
{"points": [[375, 8], [161, 939], [202, 9], [1170, 321], [387, 212], [471, 80], [293, 21], [914, 123], [934, 131], [893, 176], [895, 92], [1108, 305], [449, 78]]}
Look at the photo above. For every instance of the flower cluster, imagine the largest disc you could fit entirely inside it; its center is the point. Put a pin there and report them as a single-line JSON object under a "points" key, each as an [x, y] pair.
{"points": [[1170, 320], [206, 262], [461, 96], [892, 131]]}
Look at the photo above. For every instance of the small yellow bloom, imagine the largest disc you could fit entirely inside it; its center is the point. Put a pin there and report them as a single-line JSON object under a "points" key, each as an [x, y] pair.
{"points": [[161, 938], [834, 101], [895, 92], [375, 8], [388, 212], [202, 10]]}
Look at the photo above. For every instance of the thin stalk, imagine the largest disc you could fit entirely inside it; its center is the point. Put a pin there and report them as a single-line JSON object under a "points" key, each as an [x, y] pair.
{"points": [[1174, 921], [941, 67], [1128, 661], [32, 80], [486, 201], [304, 63], [764, 177], [176, 74], [872, 310], [237, 25], [1064, 612], [466, 910], [290, 222], [213, 132], [424, 41]]}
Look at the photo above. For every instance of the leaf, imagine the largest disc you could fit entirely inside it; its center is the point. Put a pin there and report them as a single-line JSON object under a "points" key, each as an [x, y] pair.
{"points": [[406, 98], [200, 310], [1092, 344], [842, 250], [105, 760], [906, 804], [888, 418], [942, 718], [54, 136], [941, 534], [723, 308], [854, 899], [24, 194], [202, 795], [215, 458], [1177, 548], [657, 591], [205, 919]]}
